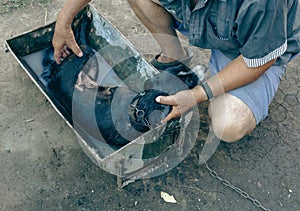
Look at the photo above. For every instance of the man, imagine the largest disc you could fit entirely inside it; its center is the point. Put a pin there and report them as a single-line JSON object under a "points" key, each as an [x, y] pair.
{"points": [[251, 42]]}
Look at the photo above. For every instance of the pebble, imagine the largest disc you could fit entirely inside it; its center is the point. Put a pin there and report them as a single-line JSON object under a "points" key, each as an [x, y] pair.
{"points": [[259, 184]]}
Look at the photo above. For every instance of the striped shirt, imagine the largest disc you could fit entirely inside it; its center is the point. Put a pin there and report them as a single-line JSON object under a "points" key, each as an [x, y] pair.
{"points": [[259, 30]]}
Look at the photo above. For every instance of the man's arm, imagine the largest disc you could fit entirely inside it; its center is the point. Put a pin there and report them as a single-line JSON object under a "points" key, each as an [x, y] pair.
{"points": [[234, 75], [63, 36]]}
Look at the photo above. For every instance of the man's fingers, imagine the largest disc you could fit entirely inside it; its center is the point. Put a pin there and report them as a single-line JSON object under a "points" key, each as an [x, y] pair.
{"points": [[76, 50], [181, 102], [64, 52], [64, 55], [174, 114], [167, 100], [57, 56], [168, 118]]}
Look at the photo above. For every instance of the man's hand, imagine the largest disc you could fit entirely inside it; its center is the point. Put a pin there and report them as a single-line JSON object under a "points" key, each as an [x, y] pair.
{"points": [[64, 40], [181, 103]]}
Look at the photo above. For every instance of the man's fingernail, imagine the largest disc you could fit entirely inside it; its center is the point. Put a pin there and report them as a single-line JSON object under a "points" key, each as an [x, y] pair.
{"points": [[157, 99], [80, 54]]}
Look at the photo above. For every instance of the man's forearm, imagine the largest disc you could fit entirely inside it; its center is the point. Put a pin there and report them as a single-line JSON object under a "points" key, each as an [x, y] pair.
{"points": [[69, 11], [234, 75]]}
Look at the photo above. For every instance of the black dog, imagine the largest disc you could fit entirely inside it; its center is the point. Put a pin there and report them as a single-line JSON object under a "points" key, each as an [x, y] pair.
{"points": [[92, 108], [146, 112]]}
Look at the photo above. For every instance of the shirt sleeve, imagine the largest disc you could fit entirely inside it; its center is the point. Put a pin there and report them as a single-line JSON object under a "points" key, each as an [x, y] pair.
{"points": [[262, 31]]}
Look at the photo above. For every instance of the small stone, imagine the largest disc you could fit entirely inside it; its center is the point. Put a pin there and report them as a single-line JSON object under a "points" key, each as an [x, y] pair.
{"points": [[259, 184], [28, 120]]}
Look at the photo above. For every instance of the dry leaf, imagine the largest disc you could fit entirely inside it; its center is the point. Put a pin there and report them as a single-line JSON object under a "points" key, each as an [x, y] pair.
{"points": [[167, 197]]}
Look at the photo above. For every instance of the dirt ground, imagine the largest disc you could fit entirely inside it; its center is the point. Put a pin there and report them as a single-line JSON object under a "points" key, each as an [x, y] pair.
{"points": [[44, 168]]}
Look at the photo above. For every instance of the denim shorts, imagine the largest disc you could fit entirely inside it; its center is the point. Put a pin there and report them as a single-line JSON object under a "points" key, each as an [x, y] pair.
{"points": [[257, 95]]}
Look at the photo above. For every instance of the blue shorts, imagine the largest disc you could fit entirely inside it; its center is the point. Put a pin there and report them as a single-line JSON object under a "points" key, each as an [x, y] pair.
{"points": [[257, 95]]}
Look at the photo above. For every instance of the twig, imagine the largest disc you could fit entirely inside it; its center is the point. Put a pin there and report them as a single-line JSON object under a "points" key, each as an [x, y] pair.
{"points": [[46, 14], [28, 120]]}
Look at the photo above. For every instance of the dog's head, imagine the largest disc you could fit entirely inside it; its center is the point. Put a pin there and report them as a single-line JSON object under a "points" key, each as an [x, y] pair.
{"points": [[145, 112]]}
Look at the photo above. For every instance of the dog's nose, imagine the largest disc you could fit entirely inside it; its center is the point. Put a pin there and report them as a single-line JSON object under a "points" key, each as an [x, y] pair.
{"points": [[148, 84]]}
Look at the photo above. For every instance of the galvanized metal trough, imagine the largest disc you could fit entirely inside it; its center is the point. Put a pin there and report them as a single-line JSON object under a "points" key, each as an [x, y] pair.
{"points": [[119, 65]]}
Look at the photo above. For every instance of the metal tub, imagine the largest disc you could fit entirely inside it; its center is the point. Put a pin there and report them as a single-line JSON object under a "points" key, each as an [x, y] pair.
{"points": [[151, 153]]}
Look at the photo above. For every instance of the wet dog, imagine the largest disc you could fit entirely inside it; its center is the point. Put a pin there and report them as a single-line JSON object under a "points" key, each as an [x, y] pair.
{"points": [[115, 115], [146, 113]]}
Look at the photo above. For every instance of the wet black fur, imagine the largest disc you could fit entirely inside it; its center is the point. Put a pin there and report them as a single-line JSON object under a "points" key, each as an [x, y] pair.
{"points": [[85, 107], [61, 79], [168, 82]]}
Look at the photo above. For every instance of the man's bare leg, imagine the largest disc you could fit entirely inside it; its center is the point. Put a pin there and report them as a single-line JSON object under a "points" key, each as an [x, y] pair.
{"points": [[231, 118], [159, 22]]}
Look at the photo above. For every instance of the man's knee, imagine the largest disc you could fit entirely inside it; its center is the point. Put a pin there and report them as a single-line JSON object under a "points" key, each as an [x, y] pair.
{"points": [[231, 131], [231, 118]]}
